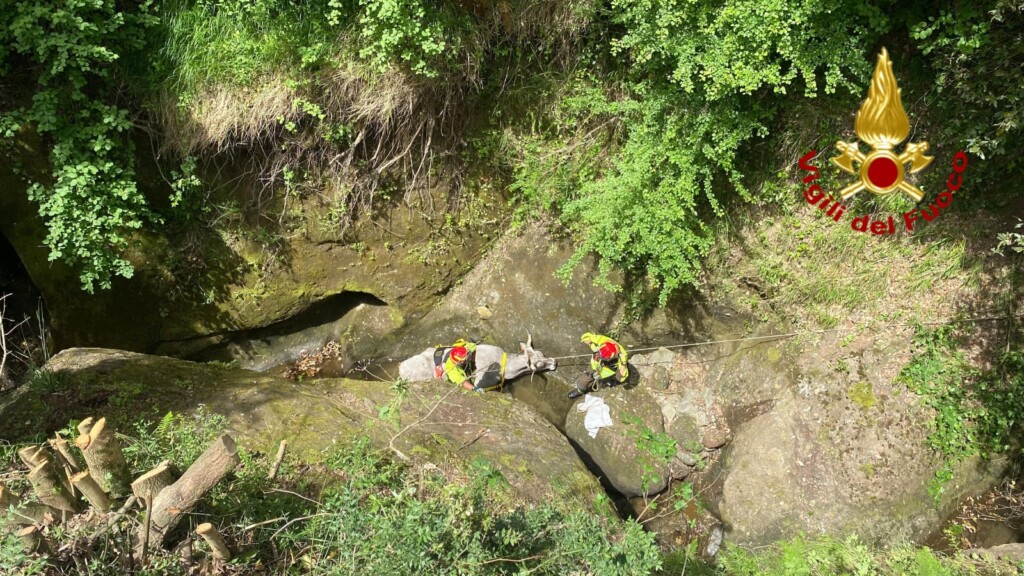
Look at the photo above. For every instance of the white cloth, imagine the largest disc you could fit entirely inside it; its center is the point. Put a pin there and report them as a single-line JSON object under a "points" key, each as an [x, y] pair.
{"points": [[598, 414]]}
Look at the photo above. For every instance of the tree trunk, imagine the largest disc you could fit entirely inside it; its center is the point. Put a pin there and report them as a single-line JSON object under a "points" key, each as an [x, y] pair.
{"points": [[105, 460], [51, 490], [88, 486], [177, 499], [148, 486], [215, 540]]}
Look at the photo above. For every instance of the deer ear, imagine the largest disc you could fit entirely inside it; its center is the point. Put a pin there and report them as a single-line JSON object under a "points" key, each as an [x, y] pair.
{"points": [[522, 347]]}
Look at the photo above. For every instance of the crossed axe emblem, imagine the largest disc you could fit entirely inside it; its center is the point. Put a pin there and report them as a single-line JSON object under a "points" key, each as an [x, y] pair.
{"points": [[850, 154]]}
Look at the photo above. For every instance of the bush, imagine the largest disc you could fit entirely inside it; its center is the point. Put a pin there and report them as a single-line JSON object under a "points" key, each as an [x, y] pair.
{"points": [[90, 201], [977, 412]]}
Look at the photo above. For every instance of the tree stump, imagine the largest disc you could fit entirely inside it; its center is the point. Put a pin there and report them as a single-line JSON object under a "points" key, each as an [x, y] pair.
{"points": [[84, 426], [7, 498], [72, 459], [34, 513], [51, 490], [105, 460], [33, 456], [88, 486], [215, 540], [176, 500], [149, 485]]}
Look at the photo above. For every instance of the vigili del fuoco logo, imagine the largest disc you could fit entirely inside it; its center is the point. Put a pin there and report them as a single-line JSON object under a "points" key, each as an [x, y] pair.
{"points": [[883, 125]]}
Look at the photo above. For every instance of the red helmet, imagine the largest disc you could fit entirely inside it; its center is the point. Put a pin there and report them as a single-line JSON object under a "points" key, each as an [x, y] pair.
{"points": [[458, 354], [608, 351]]}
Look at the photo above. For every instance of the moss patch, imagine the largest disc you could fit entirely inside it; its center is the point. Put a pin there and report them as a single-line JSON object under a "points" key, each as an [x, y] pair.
{"points": [[862, 394]]}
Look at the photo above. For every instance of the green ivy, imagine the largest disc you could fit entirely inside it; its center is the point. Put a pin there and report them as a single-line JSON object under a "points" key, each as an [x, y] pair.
{"points": [[90, 202]]}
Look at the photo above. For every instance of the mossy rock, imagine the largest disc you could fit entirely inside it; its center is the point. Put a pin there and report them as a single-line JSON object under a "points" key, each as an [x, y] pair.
{"points": [[627, 451], [433, 421]]}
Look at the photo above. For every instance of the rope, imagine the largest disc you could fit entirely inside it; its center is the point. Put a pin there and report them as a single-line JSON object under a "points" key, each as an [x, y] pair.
{"points": [[803, 333]]}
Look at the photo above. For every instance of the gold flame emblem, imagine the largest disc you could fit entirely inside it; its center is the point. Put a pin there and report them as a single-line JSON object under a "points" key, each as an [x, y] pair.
{"points": [[882, 124]]}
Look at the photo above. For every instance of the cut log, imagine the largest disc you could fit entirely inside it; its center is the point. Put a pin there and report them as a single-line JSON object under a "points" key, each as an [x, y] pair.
{"points": [[215, 540], [105, 460], [33, 456], [51, 490], [33, 540], [88, 486], [85, 426], [72, 459], [148, 486], [177, 499]]}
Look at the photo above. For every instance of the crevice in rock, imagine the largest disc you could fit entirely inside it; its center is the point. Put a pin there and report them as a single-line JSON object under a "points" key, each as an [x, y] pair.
{"points": [[282, 341], [619, 500]]}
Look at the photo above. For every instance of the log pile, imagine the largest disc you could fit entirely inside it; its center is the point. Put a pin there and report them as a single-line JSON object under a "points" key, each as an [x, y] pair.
{"points": [[61, 474]]}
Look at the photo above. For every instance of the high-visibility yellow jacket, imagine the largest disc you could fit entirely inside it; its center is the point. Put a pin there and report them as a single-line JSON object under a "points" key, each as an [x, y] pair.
{"points": [[458, 373], [616, 367]]}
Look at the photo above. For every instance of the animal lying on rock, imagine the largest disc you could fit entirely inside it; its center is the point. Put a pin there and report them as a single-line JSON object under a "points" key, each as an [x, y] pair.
{"points": [[494, 366]]}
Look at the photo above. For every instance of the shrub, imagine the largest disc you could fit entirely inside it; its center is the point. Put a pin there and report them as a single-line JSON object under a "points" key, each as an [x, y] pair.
{"points": [[90, 200], [977, 412]]}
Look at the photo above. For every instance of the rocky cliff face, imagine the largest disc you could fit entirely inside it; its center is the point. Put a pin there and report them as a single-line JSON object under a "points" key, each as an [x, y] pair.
{"points": [[205, 286]]}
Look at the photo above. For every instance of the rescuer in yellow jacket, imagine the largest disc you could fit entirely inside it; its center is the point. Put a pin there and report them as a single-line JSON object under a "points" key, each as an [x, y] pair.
{"points": [[459, 363], [609, 364]]}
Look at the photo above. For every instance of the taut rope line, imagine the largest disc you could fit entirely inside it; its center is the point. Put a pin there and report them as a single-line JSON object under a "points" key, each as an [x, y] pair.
{"points": [[792, 334]]}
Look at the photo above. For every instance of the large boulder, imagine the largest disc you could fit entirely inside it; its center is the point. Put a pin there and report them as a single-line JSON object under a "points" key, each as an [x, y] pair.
{"points": [[833, 467], [431, 421], [833, 446], [630, 452]]}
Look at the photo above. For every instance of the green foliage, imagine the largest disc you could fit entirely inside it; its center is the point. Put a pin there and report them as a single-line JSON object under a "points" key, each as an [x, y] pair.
{"points": [[363, 512], [658, 445], [654, 447], [976, 59], [405, 31], [14, 560], [46, 381], [705, 79], [90, 201], [211, 44], [186, 192], [722, 49], [977, 412], [446, 528], [177, 437], [1012, 241], [804, 556]]}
